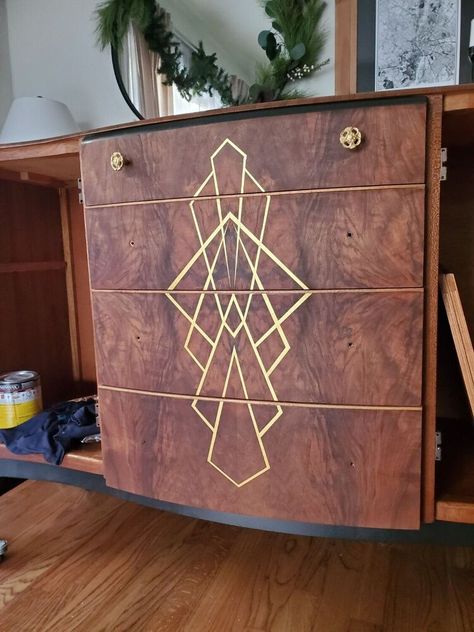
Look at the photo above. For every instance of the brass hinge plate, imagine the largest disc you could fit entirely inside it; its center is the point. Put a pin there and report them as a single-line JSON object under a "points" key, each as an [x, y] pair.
{"points": [[438, 448], [444, 160]]}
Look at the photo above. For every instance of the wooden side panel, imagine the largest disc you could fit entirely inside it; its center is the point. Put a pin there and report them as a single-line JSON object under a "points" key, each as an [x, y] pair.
{"points": [[82, 298], [333, 467], [276, 152], [328, 240], [430, 330], [346, 47], [342, 348], [85, 458]]}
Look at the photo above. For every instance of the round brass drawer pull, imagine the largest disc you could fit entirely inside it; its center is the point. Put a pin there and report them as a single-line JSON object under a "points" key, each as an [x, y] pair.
{"points": [[350, 138], [117, 161]]}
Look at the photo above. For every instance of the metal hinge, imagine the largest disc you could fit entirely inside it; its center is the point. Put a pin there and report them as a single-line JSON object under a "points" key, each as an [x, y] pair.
{"points": [[444, 160], [3, 549], [79, 190], [438, 449]]}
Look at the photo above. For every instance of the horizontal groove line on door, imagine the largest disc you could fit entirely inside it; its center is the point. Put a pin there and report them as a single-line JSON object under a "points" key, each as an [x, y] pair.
{"points": [[232, 400], [374, 187], [273, 291]]}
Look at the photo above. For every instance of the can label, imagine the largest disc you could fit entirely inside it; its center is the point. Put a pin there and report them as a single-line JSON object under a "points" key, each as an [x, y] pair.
{"points": [[19, 406]]}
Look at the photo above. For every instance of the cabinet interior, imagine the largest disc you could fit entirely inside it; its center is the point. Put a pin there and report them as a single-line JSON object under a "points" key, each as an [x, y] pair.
{"points": [[455, 472]]}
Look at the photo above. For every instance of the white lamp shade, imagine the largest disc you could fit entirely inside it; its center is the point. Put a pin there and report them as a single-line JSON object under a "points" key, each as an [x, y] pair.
{"points": [[34, 118]]}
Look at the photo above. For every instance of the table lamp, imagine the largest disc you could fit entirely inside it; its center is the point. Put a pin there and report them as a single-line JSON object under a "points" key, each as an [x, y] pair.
{"points": [[34, 118]]}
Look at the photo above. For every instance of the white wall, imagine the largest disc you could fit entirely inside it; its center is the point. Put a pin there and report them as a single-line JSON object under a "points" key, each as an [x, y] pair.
{"points": [[6, 88], [53, 51], [230, 28]]}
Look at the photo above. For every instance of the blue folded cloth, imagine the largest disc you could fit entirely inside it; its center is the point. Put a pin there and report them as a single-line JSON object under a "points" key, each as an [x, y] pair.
{"points": [[54, 431]]}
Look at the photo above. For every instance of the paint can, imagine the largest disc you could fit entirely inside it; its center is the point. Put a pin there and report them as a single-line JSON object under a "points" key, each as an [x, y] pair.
{"points": [[20, 397]]}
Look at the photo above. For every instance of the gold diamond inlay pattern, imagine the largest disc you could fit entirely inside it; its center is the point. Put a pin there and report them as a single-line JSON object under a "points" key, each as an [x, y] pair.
{"points": [[233, 314]]}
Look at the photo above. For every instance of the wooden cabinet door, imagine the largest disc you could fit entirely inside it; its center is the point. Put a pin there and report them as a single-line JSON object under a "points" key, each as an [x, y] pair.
{"points": [[258, 333]]}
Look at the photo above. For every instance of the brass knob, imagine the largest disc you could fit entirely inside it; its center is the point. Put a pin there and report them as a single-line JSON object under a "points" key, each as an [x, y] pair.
{"points": [[117, 161], [350, 137]]}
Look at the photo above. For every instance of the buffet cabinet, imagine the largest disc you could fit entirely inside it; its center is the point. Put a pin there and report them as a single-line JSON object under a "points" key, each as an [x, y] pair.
{"points": [[264, 303]]}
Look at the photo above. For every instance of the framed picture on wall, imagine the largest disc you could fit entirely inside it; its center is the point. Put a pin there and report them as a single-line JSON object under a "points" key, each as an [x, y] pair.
{"points": [[412, 43]]}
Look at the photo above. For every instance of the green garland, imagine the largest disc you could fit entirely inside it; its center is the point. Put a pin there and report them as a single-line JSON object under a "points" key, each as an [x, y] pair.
{"points": [[203, 75], [293, 47]]}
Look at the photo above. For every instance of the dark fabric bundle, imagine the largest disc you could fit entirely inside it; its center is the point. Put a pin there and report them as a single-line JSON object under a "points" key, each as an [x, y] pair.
{"points": [[54, 431]]}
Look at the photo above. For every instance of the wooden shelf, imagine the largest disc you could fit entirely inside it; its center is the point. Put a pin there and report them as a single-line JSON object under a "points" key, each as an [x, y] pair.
{"points": [[55, 159], [87, 458], [455, 498]]}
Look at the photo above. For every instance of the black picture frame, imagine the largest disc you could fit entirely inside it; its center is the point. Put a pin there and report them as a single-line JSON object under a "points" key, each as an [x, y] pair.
{"points": [[366, 24]]}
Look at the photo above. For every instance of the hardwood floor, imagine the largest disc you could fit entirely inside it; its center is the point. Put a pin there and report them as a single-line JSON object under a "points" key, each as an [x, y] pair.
{"points": [[82, 561]]}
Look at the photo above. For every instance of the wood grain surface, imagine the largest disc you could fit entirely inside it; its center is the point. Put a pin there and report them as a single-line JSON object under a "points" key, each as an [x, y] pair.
{"points": [[81, 295], [34, 328], [27, 211], [86, 458], [328, 240], [34, 331], [460, 333], [430, 330], [170, 163], [80, 561], [332, 466], [342, 348]]}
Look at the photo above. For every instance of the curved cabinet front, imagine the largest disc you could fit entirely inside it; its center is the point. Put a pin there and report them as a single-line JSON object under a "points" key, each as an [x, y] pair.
{"points": [[259, 334], [322, 465]]}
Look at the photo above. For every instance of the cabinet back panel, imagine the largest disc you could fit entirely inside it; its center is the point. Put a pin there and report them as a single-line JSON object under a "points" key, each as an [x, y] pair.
{"points": [[34, 330], [328, 240], [34, 323], [30, 223], [344, 348], [359, 468]]}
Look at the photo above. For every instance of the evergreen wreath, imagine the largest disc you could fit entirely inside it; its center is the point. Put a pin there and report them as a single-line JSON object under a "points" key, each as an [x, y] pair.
{"points": [[293, 47], [203, 75]]}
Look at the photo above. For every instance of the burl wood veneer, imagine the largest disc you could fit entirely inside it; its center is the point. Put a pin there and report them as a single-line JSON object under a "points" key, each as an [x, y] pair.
{"points": [[312, 465], [283, 152], [259, 337], [350, 239], [346, 348]]}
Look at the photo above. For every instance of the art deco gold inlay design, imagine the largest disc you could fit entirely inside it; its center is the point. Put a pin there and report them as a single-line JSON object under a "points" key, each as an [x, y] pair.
{"points": [[233, 309]]}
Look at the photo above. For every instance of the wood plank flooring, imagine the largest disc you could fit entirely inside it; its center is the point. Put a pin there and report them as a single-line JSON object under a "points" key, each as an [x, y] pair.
{"points": [[82, 561]]}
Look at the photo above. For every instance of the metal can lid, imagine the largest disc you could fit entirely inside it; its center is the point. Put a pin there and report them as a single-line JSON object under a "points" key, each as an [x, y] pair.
{"points": [[18, 377]]}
